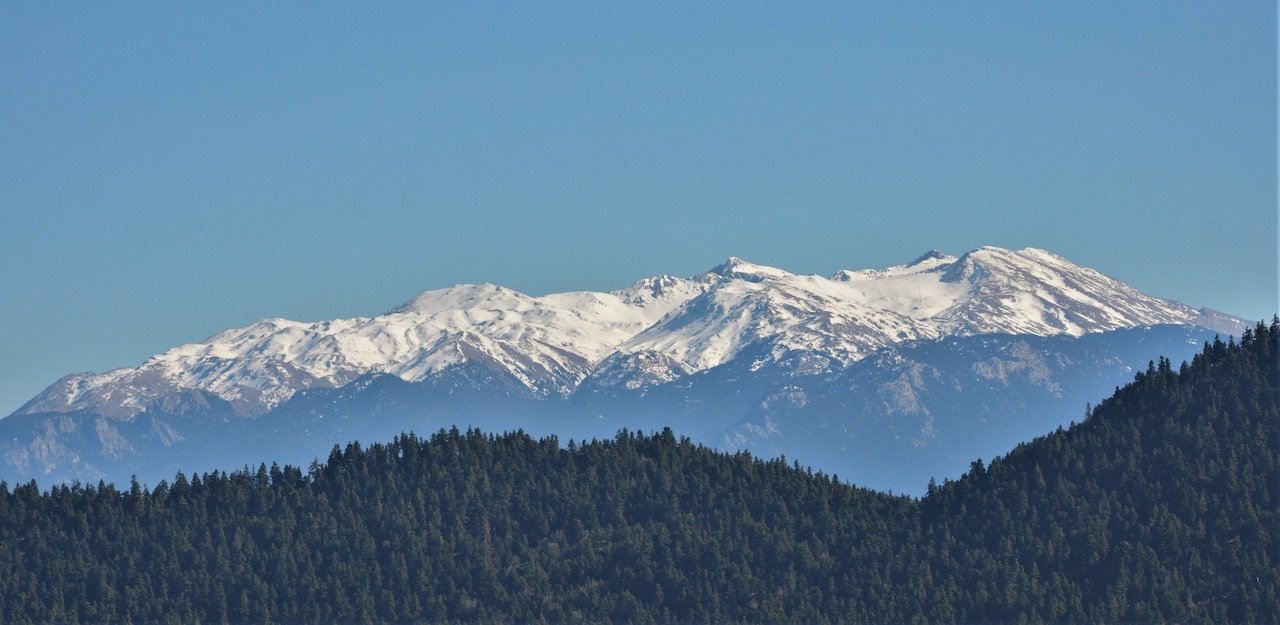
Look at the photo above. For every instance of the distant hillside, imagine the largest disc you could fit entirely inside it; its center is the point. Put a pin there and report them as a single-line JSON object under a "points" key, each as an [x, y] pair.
{"points": [[1160, 507]]}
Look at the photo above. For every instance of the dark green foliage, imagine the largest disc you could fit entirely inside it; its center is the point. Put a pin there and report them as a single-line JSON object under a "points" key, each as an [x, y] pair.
{"points": [[1160, 506]]}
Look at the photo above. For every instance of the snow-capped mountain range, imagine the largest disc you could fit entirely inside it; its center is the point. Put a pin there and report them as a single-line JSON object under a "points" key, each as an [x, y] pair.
{"points": [[651, 333]]}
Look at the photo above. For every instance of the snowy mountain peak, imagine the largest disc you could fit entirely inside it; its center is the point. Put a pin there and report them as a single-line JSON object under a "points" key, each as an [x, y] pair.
{"points": [[660, 293], [1033, 291], [652, 332], [461, 296], [737, 268], [928, 256], [930, 260]]}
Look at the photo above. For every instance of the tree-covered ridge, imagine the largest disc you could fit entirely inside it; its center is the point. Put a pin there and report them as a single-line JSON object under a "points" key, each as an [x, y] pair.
{"points": [[1160, 506], [461, 526]]}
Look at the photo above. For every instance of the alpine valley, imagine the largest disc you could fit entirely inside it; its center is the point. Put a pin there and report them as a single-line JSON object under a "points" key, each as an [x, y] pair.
{"points": [[885, 377]]}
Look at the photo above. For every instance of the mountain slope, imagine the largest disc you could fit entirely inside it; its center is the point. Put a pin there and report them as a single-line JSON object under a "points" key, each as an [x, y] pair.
{"points": [[547, 343], [650, 333], [926, 409], [1160, 507], [742, 356]]}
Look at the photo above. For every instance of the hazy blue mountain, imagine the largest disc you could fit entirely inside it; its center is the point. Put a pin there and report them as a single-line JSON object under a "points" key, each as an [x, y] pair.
{"points": [[885, 376], [892, 421]]}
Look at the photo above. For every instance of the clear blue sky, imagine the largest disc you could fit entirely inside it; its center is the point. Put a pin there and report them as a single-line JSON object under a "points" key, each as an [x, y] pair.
{"points": [[170, 170]]}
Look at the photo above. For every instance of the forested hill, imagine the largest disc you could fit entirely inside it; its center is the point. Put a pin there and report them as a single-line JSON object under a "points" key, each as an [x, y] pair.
{"points": [[1160, 506]]}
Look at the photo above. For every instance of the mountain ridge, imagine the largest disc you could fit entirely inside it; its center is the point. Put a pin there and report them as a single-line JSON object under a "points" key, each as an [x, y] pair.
{"points": [[894, 374], [660, 329]]}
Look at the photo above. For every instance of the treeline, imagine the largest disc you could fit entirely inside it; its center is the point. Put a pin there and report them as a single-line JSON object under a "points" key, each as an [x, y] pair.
{"points": [[1160, 506]]}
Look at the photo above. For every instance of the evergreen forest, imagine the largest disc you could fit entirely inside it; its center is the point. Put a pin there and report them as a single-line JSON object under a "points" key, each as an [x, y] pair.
{"points": [[1159, 506]]}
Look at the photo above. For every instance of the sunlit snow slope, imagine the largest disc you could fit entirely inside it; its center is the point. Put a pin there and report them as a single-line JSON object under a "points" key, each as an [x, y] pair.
{"points": [[650, 333]]}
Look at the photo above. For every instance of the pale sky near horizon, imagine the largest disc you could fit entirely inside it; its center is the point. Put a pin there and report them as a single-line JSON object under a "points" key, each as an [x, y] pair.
{"points": [[169, 170]]}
